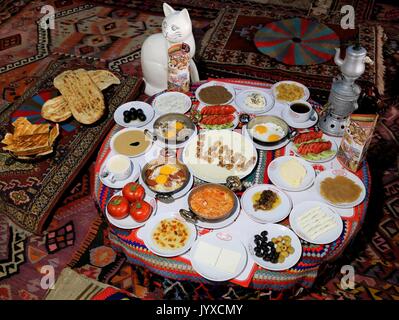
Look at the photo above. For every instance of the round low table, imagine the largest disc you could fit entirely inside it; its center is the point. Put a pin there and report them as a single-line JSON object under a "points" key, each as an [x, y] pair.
{"points": [[303, 274]]}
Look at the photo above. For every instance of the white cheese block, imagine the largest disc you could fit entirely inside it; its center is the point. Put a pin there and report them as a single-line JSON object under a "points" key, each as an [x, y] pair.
{"points": [[315, 222], [228, 261], [207, 253], [292, 172]]}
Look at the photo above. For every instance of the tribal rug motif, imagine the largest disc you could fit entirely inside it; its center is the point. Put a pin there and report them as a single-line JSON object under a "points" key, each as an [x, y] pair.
{"points": [[373, 255], [109, 33], [228, 50], [30, 190], [23, 255]]}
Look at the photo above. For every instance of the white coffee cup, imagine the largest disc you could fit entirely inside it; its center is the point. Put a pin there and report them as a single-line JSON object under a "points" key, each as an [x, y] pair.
{"points": [[300, 110], [118, 167]]}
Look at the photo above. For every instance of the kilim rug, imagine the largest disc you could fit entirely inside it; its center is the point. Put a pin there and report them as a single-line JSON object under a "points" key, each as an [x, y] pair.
{"points": [[373, 254], [228, 50], [26, 258], [71, 285], [30, 190]]}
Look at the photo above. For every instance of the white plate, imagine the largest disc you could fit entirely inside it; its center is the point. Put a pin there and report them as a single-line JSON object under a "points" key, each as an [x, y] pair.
{"points": [[325, 138], [240, 101], [151, 225], [297, 125], [225, 241], [274, 175], [277, 214], [128, 222], [176, 195], [305, 89], [220, 224], [147, 110], [212, 172], [264, 148], [213, 83], [341, 172], [276, 230], [119, 184], [167, 95], [125, 130], [235, 121], [329, 236]]}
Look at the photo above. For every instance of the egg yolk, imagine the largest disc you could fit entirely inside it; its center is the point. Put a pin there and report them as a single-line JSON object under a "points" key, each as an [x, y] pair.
{"points": [[261, 129], [274, 137], [167, 170], [161, 179], [179, 125], [170, 134]]}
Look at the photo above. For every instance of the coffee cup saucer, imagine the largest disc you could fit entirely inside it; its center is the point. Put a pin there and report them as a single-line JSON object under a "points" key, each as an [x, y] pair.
{"points": [[298, 125], [119, 184]]}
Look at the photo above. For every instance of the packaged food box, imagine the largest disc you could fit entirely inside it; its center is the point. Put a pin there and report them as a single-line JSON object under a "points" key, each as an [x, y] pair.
{"points": [[179, 67], [356, 139]]}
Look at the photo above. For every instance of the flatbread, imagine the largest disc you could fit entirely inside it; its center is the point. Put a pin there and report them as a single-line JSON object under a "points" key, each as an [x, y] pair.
{"points": [[56, 110], [84, 98], [103, 78]]}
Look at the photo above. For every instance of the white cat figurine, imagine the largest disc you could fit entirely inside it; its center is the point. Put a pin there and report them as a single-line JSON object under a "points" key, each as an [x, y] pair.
{"points": [[176, 28]]}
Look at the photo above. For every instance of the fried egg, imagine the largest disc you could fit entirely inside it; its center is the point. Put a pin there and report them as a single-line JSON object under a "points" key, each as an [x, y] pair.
{"points": [[267, 132]]}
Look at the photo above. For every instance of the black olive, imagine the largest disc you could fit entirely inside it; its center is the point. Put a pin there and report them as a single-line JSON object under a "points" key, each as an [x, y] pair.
{"points": [[258, 237], [140, 111], [270, 244], [142, 117], [126, 113], [127, 119], [133, 110], [133, 116], [264, 233]]}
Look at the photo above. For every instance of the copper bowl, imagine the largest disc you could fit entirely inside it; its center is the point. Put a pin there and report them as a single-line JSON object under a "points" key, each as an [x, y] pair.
{"points": [[161, 162], [195, 215]]}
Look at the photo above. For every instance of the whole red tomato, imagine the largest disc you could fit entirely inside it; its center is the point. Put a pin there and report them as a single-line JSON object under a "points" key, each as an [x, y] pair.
{"points": [[140, 211], [118, 207], [133, 191]]}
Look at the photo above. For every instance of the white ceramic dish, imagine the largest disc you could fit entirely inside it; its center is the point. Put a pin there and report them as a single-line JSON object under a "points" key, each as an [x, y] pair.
{"points": [[305, 90], [111, 144], [327, 237], [147, 110], [264, 148], [325, 138], [341, 172], [225, 241], [276, 214], [241, 97], [119, 184], [211, 172], [185, 103], [128, 222], [214, 83], [276, 230], [274, 175], [236, 120], [151, 225], [285, 114]]}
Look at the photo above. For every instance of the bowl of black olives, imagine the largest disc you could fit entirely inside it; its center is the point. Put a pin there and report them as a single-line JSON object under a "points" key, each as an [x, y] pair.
{"points": [[134, 114]]}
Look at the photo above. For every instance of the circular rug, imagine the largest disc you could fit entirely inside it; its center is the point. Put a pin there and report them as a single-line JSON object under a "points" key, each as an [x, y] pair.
{"points": [[297, 41]]}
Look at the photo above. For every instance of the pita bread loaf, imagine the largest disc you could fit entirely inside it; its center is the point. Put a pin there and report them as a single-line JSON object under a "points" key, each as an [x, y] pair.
{"points": [[56, 110], [103, 78], [84, 98]]}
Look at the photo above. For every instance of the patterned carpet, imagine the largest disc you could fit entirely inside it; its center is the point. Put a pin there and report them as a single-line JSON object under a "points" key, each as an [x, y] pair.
{"points": [[77, 235]]}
